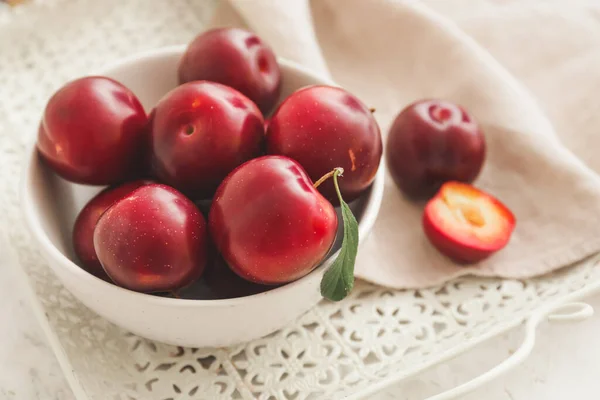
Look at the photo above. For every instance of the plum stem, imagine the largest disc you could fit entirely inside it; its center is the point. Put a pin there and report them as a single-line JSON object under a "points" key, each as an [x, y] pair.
{"points": [[336, 171]]}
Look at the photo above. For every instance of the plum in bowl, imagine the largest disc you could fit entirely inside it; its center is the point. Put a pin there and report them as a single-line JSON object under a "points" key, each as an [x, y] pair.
{"points": [[51, 205]]}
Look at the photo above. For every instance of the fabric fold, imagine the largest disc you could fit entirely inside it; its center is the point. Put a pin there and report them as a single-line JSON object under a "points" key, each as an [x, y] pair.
{"points": [[390, 53]]}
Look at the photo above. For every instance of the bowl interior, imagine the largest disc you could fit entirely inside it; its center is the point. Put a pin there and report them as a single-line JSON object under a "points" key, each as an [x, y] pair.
{"points": [[57, 202]]}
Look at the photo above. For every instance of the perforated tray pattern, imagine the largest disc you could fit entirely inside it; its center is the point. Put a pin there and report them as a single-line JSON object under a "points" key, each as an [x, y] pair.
{"points": [[333, 350]]}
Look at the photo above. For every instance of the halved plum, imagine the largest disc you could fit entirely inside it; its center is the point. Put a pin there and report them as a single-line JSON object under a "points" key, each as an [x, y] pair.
{"points": [[467, 224]]}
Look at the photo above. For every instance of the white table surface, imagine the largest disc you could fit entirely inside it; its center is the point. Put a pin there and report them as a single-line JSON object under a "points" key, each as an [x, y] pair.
{"points": [[564, 363]]}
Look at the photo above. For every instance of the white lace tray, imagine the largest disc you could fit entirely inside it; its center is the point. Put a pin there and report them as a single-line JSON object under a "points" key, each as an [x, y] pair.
{"points": [[353, 348]]}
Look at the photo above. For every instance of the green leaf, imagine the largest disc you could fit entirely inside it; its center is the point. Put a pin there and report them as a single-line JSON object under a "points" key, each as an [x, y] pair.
{"points": [[338, 280]]}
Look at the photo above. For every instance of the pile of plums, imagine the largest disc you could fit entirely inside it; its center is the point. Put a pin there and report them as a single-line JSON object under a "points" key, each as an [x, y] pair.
{"points": [[206, 152], [201, 185], [436, 146]]}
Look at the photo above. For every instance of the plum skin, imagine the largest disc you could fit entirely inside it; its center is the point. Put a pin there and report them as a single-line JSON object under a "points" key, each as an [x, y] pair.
{"points": [[152, 240], [325, 127], [236, 58], [93, 132], [269, 223], [83, 230], [199, 132], [432, 142]]}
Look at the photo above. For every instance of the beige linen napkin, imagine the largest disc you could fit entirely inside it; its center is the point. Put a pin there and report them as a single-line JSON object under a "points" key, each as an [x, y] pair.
{"points": [[390, 53]]}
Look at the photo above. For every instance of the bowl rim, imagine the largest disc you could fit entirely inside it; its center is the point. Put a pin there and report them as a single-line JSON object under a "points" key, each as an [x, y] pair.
{"points": [[366, 222]]}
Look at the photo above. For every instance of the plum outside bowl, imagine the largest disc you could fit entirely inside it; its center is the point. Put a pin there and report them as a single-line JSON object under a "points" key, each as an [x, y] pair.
{"points": [[51, 204]]}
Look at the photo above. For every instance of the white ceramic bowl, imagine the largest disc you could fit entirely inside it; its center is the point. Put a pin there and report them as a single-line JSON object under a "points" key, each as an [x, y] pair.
{"points": [[51, 205]]}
